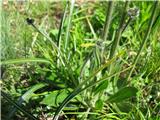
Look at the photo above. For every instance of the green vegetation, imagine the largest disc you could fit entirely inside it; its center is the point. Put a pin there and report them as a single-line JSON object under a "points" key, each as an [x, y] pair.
{"points": [[79, 60]]}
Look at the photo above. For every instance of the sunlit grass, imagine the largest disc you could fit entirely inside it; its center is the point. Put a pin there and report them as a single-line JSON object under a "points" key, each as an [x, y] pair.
{"points": [[85, 62]]}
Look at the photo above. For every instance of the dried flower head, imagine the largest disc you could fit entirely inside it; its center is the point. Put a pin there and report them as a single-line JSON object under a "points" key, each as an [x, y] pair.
{"points": [[30, 21], [133, 12]]}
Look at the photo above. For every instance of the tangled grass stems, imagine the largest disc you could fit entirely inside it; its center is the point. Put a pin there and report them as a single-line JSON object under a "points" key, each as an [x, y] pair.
{"points": [[80, 88], [88, 83], [152, 18], [95, 50], [62, 57]]}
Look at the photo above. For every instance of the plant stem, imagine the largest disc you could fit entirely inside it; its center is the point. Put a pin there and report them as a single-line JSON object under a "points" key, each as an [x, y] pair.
{"points": [[145, 38], [108, 19], [69, 24], [107, 24], [118, 34]]}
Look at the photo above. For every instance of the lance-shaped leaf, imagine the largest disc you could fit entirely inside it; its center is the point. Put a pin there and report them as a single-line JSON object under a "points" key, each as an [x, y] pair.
{"points": [[123, 94]]}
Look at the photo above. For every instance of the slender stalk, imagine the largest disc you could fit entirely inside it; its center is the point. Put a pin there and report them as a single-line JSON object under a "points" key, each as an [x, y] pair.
{"points": [[155, 6], [91, 28], [107, 24], [129, 20], [119, 32], [69, 25], [36, 35], [108, 20]]}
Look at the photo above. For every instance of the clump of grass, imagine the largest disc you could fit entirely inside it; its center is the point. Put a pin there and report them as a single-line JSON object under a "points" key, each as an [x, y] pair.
{"points": [[71, 74]]}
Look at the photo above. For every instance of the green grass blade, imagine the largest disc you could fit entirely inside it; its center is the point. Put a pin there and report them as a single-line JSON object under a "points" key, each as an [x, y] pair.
{"points": [[69, 24], [31, 91], [123, 94], [91, 28], [117, 38], [24, 60], [61, 27], [60, 32]]}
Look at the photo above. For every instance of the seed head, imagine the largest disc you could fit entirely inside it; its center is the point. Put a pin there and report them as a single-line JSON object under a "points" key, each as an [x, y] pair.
{"points": [[30, 21], [133, 12]]}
